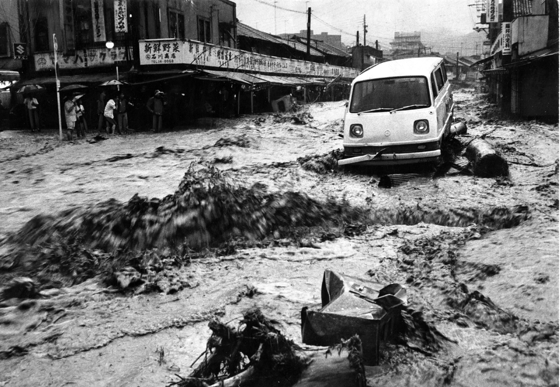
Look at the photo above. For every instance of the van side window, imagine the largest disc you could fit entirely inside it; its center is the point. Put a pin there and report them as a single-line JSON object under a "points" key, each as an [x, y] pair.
{"points": [[439, 78], [434, 87], [444, 71]]}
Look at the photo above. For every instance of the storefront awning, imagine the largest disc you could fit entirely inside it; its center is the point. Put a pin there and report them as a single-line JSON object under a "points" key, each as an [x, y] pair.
{"points": [[162, 76], [69, 79], [243, 78], [481, 61], [8, 75], [498, 71], [534, 56]]}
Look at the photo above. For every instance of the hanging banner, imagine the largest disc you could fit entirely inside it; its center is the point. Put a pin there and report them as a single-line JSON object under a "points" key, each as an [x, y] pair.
{"points": [[121, 22], [98, 18], [506, 38], [157, 52], [492, 11]]}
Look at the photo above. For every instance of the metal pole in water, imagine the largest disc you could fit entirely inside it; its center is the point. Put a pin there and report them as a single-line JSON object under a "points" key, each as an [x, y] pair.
{"points": [[55, 46]]}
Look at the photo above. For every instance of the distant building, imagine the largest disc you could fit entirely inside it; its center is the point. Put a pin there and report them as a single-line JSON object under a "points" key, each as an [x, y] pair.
{"points": [[408, 45]]}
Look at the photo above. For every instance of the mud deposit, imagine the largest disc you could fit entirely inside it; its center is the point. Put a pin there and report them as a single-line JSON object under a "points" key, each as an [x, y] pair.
{"points": [[134, 244]]}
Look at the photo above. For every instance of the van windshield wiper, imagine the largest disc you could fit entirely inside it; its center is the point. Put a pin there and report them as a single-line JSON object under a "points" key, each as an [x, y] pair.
{"points": [[376, 110], [408, 107]]}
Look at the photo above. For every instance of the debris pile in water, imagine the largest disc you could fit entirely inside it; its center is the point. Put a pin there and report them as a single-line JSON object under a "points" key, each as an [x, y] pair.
{"points": [[255, 354]]}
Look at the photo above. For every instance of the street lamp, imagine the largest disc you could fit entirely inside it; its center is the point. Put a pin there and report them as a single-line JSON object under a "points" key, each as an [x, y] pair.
{"points": [[109, 44]]}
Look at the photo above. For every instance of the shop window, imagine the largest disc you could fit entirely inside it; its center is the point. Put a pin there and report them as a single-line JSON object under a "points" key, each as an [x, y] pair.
{"points": [[4, 39], [176, 25], [41, 34], [204, 31]]}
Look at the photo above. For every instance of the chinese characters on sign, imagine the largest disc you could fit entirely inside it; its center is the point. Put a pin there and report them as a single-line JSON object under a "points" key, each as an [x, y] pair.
{"points": [[492, 11], [121, 23], [506, 38], [98, 18], [207, 55], [95, 57]]}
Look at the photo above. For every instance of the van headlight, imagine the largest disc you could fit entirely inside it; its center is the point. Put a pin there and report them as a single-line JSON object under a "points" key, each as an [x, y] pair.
{"points": [[356, 130], [421, 127]]}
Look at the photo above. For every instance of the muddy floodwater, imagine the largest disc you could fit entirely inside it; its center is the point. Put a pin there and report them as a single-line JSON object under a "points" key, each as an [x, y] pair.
{"points": [[266, 215]]}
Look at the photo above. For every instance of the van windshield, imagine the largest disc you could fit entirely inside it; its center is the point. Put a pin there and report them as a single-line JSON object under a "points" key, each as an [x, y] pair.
{"points": [[387, 94]]}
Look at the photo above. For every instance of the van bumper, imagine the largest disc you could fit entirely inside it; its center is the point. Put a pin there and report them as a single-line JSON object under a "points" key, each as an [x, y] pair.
{"points": [[389, 158]]}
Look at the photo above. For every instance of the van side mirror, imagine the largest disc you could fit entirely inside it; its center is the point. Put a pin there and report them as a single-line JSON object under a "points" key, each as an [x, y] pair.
{"points": [[346, 104]]}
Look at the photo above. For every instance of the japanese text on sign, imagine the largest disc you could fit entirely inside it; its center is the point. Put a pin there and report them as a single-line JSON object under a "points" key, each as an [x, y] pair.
{"points": [[492, 11], [207, 55], [121, 24], [98, 19], [506, 38], [96, 57]]}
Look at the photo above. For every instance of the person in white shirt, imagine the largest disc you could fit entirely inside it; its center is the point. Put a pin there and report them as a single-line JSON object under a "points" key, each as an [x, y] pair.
{"points": [[109, 114]]}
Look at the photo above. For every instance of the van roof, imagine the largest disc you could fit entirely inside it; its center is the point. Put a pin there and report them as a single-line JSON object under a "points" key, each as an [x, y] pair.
{"points": [[401, 67]]}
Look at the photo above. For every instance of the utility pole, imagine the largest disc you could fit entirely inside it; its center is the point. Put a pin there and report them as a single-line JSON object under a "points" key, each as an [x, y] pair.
{"points": [[308, 32], [365, 30], [275, 17], [357, 38], [457, 72]]}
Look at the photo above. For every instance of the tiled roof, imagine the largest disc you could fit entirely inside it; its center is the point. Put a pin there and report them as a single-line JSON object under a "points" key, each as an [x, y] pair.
{"points": [[250, 32]]}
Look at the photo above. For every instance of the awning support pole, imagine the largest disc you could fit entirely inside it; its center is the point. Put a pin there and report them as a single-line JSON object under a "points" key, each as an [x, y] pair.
{"points": [[55, 46]]}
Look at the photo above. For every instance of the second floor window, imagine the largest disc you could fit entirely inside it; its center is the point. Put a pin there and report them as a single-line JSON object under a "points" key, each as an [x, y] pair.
{"points": [[204, 31], [176, 25], [41, 34], [4, 39]]}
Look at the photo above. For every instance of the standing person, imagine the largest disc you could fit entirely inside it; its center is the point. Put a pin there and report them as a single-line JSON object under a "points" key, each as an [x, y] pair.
{"points": [[155, 106], [122, 115], [109, 115], [70, 114], [32, 104], [81, 125], [100, 112]]}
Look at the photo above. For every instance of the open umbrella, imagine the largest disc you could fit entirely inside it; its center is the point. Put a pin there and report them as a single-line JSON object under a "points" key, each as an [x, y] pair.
{"points": [[31, 89], [73, 87], [113, 82]]}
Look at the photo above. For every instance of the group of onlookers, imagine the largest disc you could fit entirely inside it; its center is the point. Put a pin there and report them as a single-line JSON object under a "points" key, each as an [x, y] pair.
{"points": [[112, 113]]}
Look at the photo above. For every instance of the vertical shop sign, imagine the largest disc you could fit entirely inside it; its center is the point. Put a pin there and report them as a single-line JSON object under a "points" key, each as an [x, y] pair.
{"points": [[506, 38], [492, 11], [121, 24], [98, 19], [68, 18]]}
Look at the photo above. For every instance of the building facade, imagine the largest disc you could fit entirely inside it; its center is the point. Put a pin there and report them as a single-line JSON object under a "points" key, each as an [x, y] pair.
{"points": [[522, 69]]}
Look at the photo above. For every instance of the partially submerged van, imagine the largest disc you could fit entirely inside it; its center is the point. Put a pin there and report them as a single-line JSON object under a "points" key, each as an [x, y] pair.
{"points": [[399, 112]]}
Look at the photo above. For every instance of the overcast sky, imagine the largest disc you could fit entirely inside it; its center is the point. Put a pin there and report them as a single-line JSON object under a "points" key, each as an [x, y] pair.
{"points": [[383, 17]]}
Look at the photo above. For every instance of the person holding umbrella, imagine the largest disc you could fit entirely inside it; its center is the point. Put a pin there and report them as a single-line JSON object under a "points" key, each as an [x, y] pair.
{"points": [[31, 104], [101, 112]]}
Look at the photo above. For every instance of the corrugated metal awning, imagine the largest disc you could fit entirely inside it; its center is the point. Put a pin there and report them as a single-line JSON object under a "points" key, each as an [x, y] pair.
{"points": [[481, 61], [236, 77], [534, 56], [498, 71]]}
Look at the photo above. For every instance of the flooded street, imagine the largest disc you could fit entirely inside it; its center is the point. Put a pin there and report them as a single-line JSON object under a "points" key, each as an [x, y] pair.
{"points": [[267, 213]]}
